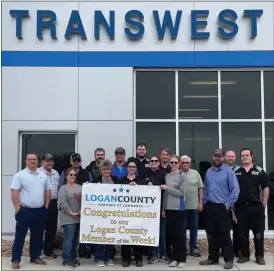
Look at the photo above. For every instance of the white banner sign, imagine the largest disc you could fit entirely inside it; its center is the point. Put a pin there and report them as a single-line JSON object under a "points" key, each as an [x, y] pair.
{"points": [[120, 214]]}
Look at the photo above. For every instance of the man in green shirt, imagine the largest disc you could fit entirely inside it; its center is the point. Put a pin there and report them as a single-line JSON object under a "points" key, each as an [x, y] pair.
{"points": [[193, 203]]}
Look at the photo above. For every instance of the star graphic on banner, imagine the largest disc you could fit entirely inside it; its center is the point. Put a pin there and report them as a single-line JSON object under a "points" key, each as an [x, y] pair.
{"points": [[127, 190], [121, 190], [114, 190]]}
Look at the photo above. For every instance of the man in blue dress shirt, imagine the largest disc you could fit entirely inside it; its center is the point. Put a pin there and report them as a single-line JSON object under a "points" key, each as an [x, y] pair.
{"points": [[221, 191]]}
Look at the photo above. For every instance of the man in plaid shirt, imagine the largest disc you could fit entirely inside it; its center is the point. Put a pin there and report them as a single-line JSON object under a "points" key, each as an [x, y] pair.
{"points": [[52, 218]]}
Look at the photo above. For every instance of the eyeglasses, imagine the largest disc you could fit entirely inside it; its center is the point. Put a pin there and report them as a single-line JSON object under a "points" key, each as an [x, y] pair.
{"points": [[173, 163], [185, 163], [72, 174], [131, 167], [76, 160], [154, 161]]}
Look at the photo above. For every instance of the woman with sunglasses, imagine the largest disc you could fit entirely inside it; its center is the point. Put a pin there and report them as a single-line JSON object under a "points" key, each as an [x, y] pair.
{"points": [[104, 254], [156, 176], [173, 210], [70, 206], [132, 179]]}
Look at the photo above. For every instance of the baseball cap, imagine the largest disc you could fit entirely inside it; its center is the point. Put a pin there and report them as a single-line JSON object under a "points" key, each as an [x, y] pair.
{"points": [[218, 152], [120, 150], [75, 156], [47, 156]]}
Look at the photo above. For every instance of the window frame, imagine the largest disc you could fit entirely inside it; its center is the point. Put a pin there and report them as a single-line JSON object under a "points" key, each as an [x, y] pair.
{"points": [[218, 120], [20, 141]]}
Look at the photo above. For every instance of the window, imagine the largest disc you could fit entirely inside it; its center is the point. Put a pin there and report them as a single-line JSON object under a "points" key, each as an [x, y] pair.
{"points": [[198, 95], [243, 135], [61, 146], [204, 120], [241, 95], [155, 95], [157, 136], [198, 140], [269, 94], [269, 148]]}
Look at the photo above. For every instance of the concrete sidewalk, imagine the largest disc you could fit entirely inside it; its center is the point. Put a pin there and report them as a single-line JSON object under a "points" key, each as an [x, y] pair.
{"points": [[88, 264]]}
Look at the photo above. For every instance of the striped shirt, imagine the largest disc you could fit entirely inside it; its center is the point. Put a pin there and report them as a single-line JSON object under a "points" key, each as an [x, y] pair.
{"points": [[54, 178]]}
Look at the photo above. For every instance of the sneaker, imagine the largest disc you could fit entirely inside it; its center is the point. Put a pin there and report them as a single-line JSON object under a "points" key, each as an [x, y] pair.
{"points": [[228, 265], [208, 262], [173, 264], [126, 263], [100, 264], [51, 255], [76, 263], [260, 261], [195, 253], [139, 264], [243, 260], [165, 259], [68, 264], [181, 265], [110, 263], [153, 260]]}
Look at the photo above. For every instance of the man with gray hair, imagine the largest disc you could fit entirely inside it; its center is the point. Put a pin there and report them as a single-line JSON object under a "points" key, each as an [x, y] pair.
{"points": [[193, 203]]}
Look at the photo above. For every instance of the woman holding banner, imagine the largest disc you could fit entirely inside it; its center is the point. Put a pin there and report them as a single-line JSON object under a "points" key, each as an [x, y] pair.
{"points": [[132, 179], [173, 210], [104, 253], [70, 206]]}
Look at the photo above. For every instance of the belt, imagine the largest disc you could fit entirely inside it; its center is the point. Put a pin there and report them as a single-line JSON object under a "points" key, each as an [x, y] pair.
{"points": [[23, 206], [54, 199], [211, 202]]}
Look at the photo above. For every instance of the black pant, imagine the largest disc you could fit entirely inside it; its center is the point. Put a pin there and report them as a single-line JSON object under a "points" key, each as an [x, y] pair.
{"points": [[217, 225], [51, 228], [175, 230], [236, 238], [251, 217], [126, 253]]}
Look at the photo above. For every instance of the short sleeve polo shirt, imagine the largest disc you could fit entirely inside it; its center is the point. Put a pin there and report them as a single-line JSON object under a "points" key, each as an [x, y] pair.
{"points": [[32, 187], [251, 183]]}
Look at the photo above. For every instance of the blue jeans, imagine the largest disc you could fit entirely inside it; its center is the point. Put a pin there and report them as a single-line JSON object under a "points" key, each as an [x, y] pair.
{"points": [[103, 253], [191, 223], [162, 242], [35, 220], [71, 237]]}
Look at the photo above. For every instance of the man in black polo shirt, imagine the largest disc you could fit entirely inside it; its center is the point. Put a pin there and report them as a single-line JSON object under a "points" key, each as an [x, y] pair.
{"points": [[250, 207], [142, 160]]}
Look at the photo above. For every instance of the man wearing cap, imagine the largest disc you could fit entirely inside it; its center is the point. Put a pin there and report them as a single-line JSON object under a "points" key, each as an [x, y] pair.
{"points": [[119, 168], [30, 194], [221, 191], [52, 218], [82, 176]]}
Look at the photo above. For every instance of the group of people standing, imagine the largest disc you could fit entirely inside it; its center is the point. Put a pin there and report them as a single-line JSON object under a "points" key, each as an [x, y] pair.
{"points": [[230, 194]]}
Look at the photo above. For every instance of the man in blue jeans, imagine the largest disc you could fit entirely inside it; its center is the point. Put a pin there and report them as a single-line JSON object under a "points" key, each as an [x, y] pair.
{"points": [[30, 194], [193, 202]]}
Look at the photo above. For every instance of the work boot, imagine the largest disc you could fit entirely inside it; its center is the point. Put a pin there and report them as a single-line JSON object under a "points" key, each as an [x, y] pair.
{"points": [[208, 262], [260, 260], [15, 265], [139, 263], [126, 263], [243, 260], [228, 265]]}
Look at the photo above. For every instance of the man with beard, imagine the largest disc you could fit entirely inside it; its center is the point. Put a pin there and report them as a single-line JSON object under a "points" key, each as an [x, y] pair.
{"points": [[142, 160], [221, 191], [94, 167]]}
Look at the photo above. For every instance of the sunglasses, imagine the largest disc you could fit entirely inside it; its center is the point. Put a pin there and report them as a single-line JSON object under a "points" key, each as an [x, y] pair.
{"points": [[72, 174], [173, 163], [131, 167], [76, 160], [154, 161], [185, 163]]}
